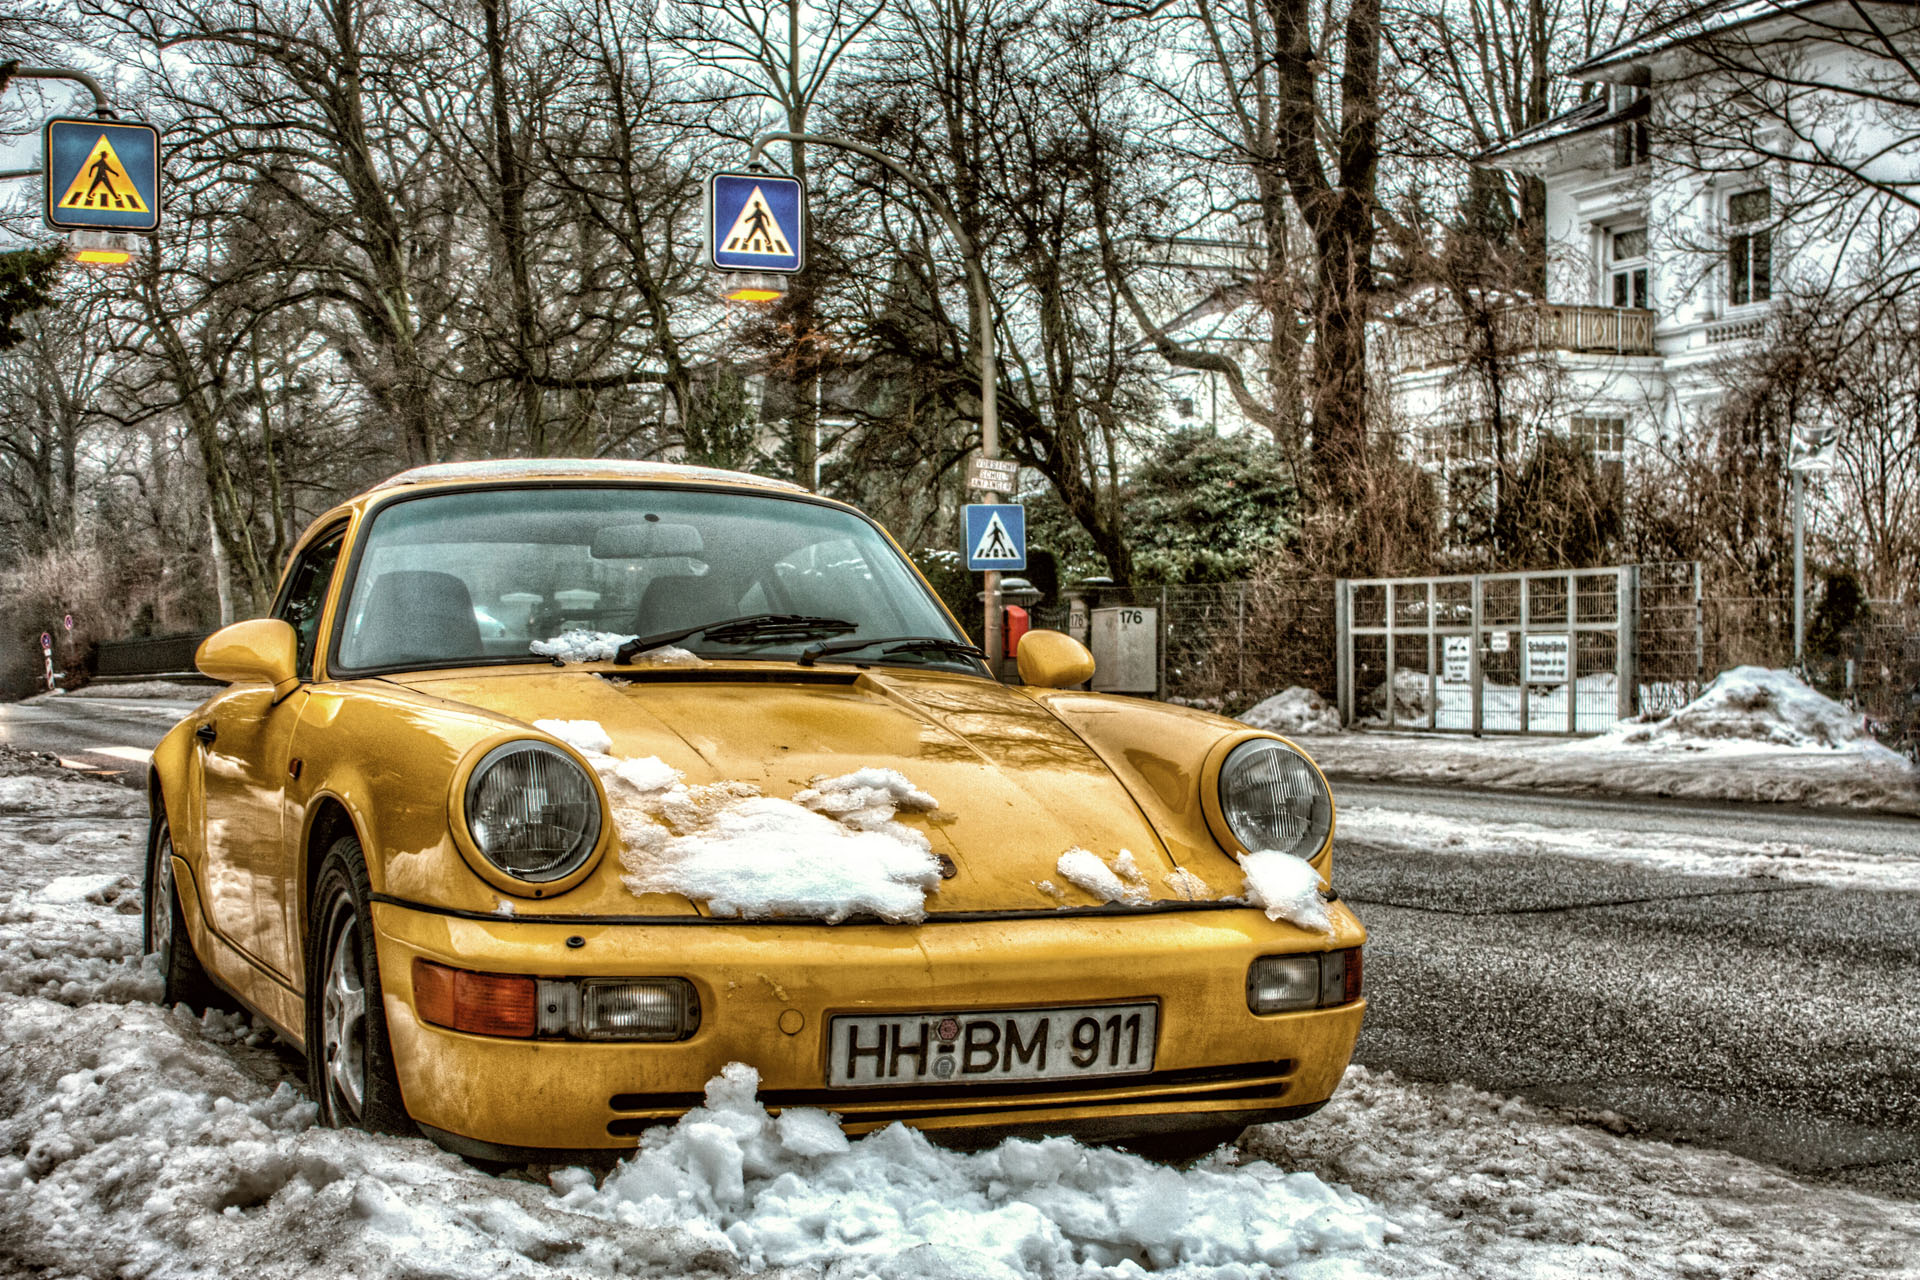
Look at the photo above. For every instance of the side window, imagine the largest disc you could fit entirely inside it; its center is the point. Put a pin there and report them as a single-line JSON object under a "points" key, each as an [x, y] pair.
{"points": [[306, 595]]}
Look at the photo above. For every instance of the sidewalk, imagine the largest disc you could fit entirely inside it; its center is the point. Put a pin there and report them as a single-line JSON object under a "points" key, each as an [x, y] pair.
{"points": [[1854, 779]]}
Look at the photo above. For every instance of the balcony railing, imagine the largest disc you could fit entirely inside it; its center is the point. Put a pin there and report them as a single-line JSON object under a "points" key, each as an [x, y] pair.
{"points": [[1625, 331]]}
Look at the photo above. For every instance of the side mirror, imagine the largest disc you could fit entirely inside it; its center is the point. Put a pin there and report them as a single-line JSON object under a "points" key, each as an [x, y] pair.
{"points": [[1053, 660], [258, 651]]}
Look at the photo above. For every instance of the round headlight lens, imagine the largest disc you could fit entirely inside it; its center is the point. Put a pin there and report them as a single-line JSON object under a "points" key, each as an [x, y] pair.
{"points": [[533, 811], [1273, 799]]}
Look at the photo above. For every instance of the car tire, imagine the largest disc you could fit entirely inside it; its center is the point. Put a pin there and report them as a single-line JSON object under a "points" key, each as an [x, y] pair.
{"points": [[184, 980], [350, 1068]]}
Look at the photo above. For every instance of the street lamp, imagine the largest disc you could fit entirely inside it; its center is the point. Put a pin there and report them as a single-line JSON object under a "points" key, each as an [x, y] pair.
{"points": [[982, 315]]}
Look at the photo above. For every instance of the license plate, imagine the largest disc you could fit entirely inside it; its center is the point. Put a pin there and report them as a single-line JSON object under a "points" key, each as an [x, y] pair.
{"points": [[992, 1045]]}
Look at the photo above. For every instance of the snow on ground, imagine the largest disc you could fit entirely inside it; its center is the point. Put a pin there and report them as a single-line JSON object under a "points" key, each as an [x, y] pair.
{"points": [[1754, 774], [1749, 705], [142, 1141], [1752, 735], [154, 690], [1294, 712], [1681, 854]]}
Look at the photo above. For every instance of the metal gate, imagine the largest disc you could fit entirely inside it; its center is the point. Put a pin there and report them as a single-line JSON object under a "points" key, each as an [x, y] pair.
{"points": [[1489, 653]]}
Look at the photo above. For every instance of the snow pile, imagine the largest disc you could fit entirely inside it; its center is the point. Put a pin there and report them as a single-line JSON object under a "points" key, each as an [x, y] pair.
{"points": [[1412, 698], [1293, 713], [1119, 881], [580, 646], [1287, 887], [602, 646], [1753, 705], [584, 736], [794, 1192], [832, 852], [867, 799]]}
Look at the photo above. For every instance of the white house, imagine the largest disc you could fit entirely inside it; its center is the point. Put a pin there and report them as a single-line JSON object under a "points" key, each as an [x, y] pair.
{"points": [[1677, 217]]}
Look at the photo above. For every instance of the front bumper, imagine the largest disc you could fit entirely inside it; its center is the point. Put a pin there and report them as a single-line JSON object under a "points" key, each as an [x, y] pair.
{"points": [[768, 990]]}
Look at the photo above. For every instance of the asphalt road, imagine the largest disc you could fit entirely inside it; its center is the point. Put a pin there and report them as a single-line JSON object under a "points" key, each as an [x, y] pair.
{"points": [[1778, 1020], [112, 736]]}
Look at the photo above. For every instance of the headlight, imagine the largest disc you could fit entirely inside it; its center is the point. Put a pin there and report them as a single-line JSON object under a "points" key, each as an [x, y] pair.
{"points": [[1272, 798], [532, 811]]}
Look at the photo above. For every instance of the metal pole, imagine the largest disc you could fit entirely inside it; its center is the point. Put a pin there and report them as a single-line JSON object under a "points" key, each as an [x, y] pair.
{"points": [[11, 71], [1799, 570], [983, 324]]}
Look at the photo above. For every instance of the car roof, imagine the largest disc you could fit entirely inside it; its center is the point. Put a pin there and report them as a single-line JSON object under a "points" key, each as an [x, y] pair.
{"points": [[576, 469]]}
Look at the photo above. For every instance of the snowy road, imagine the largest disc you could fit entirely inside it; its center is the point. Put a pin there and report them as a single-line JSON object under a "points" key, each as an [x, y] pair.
{"points": [[1744, 977], [111, 735], [136, 1140]]}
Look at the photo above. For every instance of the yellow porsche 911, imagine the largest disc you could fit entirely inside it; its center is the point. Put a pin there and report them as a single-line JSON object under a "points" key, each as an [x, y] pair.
{"points": [[550, 788]]}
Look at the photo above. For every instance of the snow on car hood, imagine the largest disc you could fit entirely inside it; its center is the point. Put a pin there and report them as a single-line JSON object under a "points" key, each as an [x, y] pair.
{"points": [[1015, 787]]}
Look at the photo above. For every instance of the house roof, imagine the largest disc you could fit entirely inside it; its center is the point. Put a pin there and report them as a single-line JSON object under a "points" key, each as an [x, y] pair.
{"points": [[1590, 114], [1670, 29]]}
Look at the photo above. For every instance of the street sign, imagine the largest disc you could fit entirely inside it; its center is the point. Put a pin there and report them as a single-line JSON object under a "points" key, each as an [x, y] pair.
{"points": [[756, 222], [101, 175], [996, 536], [46, 641], [995, 475], [1546, 660]]}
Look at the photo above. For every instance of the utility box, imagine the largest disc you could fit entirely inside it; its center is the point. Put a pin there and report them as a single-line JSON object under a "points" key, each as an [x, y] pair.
{"points": [[1126, 650]]}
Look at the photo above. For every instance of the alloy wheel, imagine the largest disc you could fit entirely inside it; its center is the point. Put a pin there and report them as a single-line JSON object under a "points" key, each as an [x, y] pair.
{"points": [[343, 1019], [160, 901]]}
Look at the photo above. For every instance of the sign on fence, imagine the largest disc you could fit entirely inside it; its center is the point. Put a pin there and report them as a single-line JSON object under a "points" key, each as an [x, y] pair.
{"points": [[1459, 660], [1547, 659]]}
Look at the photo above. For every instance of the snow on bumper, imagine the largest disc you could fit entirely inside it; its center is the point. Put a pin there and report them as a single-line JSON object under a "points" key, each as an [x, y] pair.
{"points": [[768, 991]]}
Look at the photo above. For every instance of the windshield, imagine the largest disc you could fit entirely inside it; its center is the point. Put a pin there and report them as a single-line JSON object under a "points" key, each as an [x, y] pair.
{"points": [[476, 577]]}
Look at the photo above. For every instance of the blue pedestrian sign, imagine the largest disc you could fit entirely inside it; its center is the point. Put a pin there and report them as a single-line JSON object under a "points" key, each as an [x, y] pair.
{"points": [[996, 535], [756, 222], [102, 175]]}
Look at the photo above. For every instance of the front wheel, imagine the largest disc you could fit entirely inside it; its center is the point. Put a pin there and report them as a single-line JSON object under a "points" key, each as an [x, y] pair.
{"points": [[184, 979], [350, 1068]]}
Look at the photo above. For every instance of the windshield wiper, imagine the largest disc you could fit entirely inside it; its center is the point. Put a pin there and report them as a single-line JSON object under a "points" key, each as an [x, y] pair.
{"points": [[896, 644], [754, 626]]}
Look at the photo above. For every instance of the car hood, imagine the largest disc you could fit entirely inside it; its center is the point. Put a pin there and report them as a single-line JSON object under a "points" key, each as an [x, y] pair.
{"points": [[1016, 787]]}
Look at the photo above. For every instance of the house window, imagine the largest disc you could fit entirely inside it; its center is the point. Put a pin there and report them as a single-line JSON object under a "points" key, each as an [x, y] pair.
{"points": [[1630, 141], [1604, 440], [1626, 250], [1750, 248], [1600, 438]]}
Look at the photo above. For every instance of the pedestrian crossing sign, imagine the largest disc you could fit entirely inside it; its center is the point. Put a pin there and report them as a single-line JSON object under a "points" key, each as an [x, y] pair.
{"points": [[756, 222], [102, 175], [996, 535]]}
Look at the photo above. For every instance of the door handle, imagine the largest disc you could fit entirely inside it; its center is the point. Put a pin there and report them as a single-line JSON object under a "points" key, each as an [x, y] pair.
{"points": [[206, 733]]}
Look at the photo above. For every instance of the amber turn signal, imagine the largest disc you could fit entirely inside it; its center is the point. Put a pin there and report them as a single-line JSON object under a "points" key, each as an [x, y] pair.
{"points": [[488, 1004]]}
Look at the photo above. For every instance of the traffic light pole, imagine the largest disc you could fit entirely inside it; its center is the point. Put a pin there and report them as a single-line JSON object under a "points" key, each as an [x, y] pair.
{"points": [[982, 322]]}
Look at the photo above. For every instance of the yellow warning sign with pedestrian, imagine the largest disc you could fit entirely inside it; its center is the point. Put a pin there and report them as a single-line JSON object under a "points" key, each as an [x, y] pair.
{"points": [[102, 183]]}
